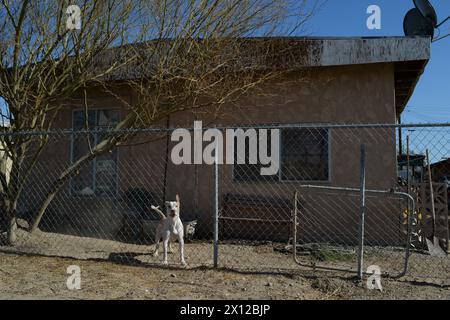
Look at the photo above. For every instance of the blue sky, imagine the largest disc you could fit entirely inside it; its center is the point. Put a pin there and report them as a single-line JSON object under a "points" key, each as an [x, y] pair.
{"points": [[431, 99]]}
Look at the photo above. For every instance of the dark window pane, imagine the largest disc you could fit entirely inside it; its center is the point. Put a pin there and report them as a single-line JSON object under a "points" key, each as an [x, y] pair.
{"points": [[252, 172], [304, 154], [107, 118], [79, 119]]}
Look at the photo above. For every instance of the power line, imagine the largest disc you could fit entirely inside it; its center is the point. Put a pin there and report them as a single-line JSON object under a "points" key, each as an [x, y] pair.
{"points": [[427, 107]]}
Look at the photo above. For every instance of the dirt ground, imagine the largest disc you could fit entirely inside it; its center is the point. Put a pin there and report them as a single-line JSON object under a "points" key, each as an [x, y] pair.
{"points": [[36, 267], [37, 277]]}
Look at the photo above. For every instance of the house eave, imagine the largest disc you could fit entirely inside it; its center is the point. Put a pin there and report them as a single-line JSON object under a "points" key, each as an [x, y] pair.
{"points": [[409, 55], [351, 51]]}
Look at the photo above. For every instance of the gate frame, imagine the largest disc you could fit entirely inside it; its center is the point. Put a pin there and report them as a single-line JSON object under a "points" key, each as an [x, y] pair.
{"points": [[385, 192]]}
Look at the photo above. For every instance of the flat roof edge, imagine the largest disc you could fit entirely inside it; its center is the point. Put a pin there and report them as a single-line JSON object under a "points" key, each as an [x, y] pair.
{"points": [[352, 51]]}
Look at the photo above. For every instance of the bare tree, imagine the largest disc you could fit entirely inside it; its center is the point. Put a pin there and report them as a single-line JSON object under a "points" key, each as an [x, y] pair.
{"points": [[174, 54]]}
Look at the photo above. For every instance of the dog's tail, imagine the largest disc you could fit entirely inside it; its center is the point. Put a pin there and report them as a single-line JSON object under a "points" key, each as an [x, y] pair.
{"points": [[161, 214]]}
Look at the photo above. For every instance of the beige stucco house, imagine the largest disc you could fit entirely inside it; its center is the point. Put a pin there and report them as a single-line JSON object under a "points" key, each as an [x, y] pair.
{"points": [[349, 80]]}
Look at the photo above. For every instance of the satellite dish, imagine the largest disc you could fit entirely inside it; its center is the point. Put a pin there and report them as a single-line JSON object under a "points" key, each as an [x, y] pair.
{"points": [[415, 24], [422, 21], [427, 10]]}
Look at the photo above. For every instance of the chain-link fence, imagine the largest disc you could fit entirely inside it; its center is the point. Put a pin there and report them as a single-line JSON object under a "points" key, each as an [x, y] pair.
{"points": [[90, 194]]}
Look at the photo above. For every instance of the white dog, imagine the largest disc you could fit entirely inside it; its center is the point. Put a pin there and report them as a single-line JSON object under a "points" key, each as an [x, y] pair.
{"points": [[170, 228]]}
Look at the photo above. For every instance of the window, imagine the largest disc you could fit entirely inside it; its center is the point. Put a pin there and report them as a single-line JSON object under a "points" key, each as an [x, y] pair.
{"points": [[247, 172], [99, 176], [304, 156]]}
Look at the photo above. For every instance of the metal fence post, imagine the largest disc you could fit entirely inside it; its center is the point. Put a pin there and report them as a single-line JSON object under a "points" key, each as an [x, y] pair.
{"points": [[294, 230], [216, 209], [362, 211], [410, 213]]}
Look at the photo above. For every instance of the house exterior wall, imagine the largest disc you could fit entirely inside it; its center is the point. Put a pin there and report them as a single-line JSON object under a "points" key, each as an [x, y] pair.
{"points": [[344, 94]]}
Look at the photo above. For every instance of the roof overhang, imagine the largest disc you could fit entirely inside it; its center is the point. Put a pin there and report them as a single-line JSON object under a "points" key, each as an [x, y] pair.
{"points": [[409, 55]]}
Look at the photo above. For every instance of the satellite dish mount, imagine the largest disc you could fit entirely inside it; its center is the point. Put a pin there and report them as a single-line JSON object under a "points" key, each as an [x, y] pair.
{"points": [[422, 20]]}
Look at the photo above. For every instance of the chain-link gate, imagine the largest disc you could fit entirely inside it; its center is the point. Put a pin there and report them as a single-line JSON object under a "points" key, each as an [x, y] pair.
{"points": [[328, 221]]}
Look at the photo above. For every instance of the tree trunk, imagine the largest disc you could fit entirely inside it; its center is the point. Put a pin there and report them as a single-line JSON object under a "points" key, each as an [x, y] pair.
{"points": [[12, 231], [70, 172], [56, 186], [11, 195]]}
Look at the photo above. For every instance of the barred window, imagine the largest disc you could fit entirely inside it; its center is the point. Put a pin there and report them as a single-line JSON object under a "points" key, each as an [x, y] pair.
{"points": [[304, 156], [251, 172], [99, 176]]}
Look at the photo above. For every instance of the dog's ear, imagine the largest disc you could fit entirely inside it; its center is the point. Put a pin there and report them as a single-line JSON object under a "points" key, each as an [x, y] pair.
{"points": [[177, 198]]}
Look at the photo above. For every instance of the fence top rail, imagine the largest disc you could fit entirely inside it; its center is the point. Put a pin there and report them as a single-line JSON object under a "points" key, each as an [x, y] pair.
{"points": [[10, 132], [375, 191]]}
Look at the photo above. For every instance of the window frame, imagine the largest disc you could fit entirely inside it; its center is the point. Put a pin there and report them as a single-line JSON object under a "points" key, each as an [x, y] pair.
{"points": [[281, 149], [328, 180], [94, 169], [233, 176]]}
